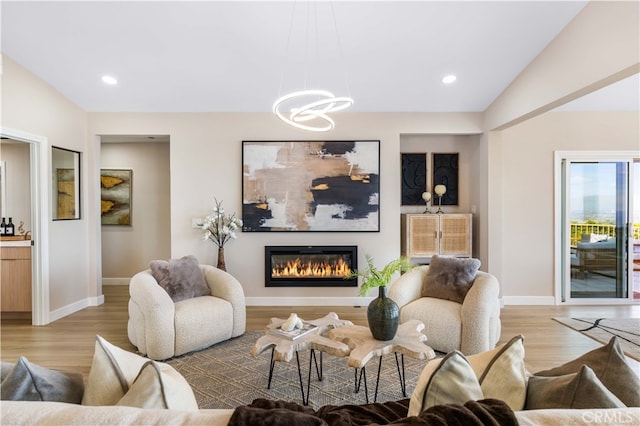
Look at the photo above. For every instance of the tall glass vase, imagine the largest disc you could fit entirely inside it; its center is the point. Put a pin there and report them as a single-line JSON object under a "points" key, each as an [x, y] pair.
{"points": [[383, 315], [221, 265]]}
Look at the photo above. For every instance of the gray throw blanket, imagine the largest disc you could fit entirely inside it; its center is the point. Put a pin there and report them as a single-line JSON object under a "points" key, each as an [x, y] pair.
{"points": [[490, 412]]}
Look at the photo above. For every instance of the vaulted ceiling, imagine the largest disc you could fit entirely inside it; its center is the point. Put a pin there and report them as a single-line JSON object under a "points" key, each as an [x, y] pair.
{"points": [[239, 56]]}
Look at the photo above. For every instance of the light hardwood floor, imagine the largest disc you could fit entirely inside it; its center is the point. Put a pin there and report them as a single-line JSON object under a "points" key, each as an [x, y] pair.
{"points": [[69, 342]]}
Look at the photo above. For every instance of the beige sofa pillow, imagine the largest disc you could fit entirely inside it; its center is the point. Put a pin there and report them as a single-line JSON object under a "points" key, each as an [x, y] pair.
{"points": [[119, 377], [609, 363], [502, 373], [579, 390], [449, 380], [498, 374]]}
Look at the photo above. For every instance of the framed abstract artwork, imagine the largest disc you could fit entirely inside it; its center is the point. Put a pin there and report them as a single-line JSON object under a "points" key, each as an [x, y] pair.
{"points": [[115, 196], [445, 172], [414, 178], [65, 165], [311, 186]]}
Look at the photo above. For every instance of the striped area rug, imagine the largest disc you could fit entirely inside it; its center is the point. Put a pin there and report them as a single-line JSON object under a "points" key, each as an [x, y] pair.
{"points": [[226, 375], [603, 329]]}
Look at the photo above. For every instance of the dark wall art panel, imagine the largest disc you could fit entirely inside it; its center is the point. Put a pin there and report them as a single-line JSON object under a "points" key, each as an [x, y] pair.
{"points": [[445, 172], [311, 186], [414, 178]]}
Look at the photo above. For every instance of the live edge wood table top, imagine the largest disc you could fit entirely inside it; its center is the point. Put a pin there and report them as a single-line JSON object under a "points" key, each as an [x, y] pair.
{"points": [[409, 340], [285, 348]]}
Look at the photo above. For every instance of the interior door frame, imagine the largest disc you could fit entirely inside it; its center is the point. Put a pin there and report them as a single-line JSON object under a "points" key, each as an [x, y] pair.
{"points": [[40, 152], [563, 259]]}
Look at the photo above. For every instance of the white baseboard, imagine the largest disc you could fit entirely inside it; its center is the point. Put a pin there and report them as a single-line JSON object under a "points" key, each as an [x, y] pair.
{"points": [[68, 310], [308, 301], [96, 301], [75, 307], [116, 281], [528, 300]]}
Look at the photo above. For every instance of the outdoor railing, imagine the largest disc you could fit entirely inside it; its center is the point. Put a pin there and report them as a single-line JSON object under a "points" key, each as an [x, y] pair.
{"points": [[577, 229]]}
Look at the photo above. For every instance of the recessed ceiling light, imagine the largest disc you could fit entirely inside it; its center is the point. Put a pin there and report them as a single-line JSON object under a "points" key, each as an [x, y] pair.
{"points": [[448, 79], [107, 79]]}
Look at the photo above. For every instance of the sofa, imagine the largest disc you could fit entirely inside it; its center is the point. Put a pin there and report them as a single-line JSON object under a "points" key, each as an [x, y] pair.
{"points": [[58, 413], [595, 254], [164, 398]]}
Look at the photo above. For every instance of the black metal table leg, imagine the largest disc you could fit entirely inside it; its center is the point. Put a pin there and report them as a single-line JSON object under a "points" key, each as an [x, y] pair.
{"points": [[272, 365], [314, 359], [305, 400], [401, 375], [358, 381], [375, 397]]}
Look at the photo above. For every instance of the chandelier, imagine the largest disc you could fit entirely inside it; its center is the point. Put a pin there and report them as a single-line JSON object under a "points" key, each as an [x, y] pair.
{"points": [[309, 109]]}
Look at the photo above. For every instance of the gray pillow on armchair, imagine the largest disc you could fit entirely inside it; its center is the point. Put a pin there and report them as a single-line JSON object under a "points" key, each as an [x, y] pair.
{"points": [[181, 278], [449, 278]]}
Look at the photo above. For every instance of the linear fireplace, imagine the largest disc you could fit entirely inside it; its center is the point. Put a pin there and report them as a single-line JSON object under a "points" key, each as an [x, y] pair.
{"points": [[310, 266]]}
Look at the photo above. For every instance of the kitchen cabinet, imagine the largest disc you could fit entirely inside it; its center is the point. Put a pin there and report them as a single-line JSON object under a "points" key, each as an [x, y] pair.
{"points": [[15, 271]]}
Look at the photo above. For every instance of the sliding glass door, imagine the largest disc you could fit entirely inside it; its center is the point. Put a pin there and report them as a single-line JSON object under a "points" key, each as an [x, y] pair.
{"points": [[599, 229]]}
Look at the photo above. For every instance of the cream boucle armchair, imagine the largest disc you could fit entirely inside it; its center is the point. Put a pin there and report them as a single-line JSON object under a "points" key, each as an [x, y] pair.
{"points": [[162, 329], [470, 327]]}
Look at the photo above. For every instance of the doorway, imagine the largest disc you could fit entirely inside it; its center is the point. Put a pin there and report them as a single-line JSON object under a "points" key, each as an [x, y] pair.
{"points": [[599, 227], [39, 200], [127, 246]]}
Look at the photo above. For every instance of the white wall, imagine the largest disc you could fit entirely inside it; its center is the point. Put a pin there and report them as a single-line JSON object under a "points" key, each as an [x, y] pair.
{"points": [[18, 182], [127, 250], [527, 188], [206, 162], [30, 105]]}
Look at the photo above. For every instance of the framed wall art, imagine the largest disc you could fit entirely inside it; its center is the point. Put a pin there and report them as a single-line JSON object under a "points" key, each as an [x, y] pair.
{"points": [[445, 172], [414, 178], [115, 196], [65, 165], [311, 186]]}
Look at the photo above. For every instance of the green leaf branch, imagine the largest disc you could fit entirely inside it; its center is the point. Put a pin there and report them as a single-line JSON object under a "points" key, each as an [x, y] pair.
{"points": [[374, 277]]}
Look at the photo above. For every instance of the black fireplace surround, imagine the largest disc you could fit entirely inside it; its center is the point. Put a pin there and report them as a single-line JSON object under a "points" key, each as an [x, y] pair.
{"points": [[310, 266]]}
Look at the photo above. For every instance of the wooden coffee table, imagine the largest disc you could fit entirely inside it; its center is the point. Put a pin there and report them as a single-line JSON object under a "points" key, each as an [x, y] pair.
{"points": [[282, 348], [409, 340]]}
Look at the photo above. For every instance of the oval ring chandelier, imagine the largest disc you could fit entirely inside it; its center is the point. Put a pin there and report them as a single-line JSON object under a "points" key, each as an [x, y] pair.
{"points": [[315, 110], [308, 109]]}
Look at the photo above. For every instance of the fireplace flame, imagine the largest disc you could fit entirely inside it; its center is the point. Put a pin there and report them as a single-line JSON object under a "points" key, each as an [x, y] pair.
{"points": [[297, 269]]}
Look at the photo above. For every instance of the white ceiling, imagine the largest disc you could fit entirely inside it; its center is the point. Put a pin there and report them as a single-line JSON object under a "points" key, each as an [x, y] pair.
{"points": [[235, 55]]}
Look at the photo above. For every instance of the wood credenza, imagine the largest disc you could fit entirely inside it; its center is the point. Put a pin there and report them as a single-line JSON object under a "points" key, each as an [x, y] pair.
{"points": [[15, 272], [448, 234]]}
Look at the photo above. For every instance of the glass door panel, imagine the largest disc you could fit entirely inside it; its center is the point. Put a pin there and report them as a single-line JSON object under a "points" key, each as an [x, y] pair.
{"points": [[635, 231], [597, 206]]}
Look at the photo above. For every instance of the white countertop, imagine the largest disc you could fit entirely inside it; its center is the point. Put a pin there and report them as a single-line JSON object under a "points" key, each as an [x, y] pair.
{"points": [[19, 243]]}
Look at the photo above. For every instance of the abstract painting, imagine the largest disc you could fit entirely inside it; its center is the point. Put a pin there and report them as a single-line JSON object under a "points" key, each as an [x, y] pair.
{"points": [[115, 198], [66, 203], [311, 186]]}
